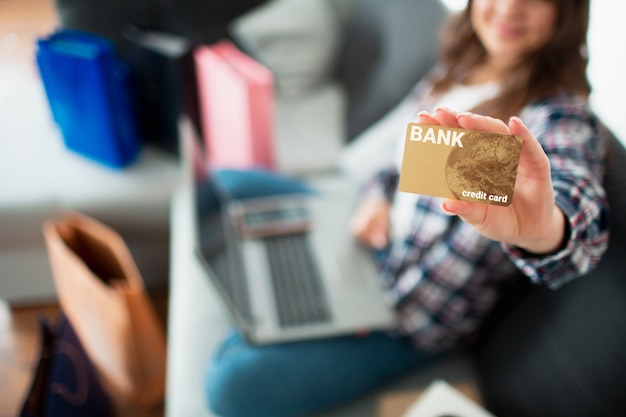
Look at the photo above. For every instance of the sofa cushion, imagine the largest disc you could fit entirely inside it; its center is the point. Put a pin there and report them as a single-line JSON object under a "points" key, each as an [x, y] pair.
{"points": [[388, 47], [378, 146], [310, 130], [561, 353], [297, 39], [200, 21], [615, 184]]}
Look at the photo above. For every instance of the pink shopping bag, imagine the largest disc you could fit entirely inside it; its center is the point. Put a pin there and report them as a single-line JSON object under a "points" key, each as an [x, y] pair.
{"points": [[236, 95]]}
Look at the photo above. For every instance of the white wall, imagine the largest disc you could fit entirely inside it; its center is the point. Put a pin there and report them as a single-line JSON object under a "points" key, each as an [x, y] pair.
{"points": [[607, 64]]}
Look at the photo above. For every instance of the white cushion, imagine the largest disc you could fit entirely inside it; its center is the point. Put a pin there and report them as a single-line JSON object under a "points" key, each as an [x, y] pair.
{"points": [[310, 130], [297, 39], [378, 146]]}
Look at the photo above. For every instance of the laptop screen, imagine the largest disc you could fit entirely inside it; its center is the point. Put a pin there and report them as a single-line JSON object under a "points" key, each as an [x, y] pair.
{"points": [[208, 226], [223, 266]]}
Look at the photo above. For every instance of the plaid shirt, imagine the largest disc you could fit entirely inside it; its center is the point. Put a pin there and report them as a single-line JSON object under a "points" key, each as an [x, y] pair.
{"points": [[444, 278]]}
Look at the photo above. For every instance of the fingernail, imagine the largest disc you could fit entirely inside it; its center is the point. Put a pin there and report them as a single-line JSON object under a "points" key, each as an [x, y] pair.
{"points": [[456, 207], [446, 210]]}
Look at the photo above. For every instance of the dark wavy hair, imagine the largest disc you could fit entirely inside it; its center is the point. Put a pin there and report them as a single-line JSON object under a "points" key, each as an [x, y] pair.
{"points": [[559, 66]]}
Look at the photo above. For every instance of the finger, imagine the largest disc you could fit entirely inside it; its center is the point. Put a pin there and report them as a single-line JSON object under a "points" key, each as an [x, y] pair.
{"points": [[377, 239], [533, 159], [485, 123], [373, 235], [446, 117], [473, 214], [426, 118], [368, 231]]}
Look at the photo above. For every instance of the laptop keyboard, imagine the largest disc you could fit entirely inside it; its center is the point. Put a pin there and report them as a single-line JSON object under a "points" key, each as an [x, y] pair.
{"points": [[298, 288]]}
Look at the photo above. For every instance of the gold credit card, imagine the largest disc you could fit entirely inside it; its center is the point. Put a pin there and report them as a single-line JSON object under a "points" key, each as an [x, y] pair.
{"points": [[460, 164]]}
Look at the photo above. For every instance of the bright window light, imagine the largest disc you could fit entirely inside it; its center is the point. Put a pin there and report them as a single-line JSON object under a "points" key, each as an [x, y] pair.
{"points": [[455, 5]]}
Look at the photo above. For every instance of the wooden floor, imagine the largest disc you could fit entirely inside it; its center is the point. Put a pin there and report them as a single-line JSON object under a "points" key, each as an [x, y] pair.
{"points": [[21, 23]]}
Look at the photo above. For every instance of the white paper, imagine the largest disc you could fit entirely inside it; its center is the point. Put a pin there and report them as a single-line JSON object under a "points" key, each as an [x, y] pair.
{"points": [[442, 400]]}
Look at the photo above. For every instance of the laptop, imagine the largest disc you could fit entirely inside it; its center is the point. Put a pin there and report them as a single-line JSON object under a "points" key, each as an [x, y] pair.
{"points": [[285, 266]]}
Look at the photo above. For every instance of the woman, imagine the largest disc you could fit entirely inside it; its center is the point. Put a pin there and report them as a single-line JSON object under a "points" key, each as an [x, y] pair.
{"points": [[445, 262]]}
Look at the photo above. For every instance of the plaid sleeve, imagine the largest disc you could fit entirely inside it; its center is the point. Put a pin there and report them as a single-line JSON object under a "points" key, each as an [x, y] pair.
{"points": [[383, 184], [575, 143]]}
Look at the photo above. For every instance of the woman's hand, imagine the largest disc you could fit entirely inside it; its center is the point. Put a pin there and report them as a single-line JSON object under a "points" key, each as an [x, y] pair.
{"points": [[532, 221], [370, 223]]}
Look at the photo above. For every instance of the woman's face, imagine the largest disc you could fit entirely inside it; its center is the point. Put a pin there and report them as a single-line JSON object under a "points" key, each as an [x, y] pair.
{"points": [[510, 29]]}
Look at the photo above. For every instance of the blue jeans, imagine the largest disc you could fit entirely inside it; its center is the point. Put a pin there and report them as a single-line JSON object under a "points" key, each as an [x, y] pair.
{"points": [[301, 378]]}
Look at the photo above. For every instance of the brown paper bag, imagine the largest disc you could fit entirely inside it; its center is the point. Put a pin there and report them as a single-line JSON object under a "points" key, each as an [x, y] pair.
{"points": [[102, 293]]}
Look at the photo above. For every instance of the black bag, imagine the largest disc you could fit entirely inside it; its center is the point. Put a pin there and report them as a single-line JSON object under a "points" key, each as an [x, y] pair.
{"points": [[65, 382], [164, 81]]}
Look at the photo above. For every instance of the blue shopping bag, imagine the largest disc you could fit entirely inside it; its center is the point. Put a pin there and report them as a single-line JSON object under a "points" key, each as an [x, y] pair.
{"points": [[89, 91]]}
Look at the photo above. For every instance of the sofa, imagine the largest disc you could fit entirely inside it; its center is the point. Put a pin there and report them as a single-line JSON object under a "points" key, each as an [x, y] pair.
{"points": [[341, 67], [542, 352]]}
